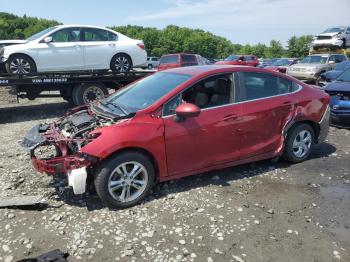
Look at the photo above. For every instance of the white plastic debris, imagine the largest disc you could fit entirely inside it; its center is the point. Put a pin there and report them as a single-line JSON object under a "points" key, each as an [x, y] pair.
{"points": [[77, 180]]}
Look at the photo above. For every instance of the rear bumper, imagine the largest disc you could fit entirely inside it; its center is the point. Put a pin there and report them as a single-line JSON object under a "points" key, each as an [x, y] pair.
{"points": [[324, 126]]}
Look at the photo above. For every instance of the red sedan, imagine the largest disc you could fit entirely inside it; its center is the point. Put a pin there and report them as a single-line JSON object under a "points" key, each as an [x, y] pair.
{"points": [[180, 122], [246, 60]]}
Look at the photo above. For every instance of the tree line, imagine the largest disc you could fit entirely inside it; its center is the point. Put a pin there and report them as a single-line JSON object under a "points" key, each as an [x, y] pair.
{"points": [[171, 39]]}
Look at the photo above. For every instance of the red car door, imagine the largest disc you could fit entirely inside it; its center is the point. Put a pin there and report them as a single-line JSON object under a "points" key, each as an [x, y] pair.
{"points": [[267, 105], [206, 140]]}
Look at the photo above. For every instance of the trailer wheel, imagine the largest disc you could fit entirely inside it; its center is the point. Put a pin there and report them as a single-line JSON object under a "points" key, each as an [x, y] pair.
{"points": [[88, 93]]}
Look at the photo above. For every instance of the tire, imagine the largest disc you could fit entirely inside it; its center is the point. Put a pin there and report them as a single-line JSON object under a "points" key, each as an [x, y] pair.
{"points": [[89, 93], [150, 66], [121, 63], [112, 195], [20, 65], [294, 150]]}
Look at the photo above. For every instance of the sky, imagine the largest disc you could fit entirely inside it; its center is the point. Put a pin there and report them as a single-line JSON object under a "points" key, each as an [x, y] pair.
{"points": [[241, 21]]}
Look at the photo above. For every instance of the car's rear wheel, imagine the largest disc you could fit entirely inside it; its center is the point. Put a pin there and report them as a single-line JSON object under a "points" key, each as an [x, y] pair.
{"points": [[20, 65], [125, 179], [299, 143], [121, 63]]}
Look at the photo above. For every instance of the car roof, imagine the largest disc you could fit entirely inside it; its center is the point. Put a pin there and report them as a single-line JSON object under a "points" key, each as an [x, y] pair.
{"points": [[212, 69]]}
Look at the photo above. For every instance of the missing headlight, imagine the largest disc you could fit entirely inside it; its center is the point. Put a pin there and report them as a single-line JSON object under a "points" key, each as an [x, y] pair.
{"points": [[45, 152]]}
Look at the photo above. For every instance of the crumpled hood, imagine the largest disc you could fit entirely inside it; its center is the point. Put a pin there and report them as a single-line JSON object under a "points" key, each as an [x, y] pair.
{"points": [[329, 34], [12, 42]]}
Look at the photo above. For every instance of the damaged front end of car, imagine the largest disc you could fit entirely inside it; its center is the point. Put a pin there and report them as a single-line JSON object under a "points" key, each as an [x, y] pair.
{"points": [[55, 147]]}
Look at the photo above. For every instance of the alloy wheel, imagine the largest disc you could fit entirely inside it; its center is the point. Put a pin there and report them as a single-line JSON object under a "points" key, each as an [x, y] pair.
{"points": [[122, 64], [128, 181], [302, 143], [20, 66]]}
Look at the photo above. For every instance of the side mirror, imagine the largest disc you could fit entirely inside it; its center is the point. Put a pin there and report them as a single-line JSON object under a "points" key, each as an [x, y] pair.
{"points": [[331, 62], [186, 110], [47, 40]]}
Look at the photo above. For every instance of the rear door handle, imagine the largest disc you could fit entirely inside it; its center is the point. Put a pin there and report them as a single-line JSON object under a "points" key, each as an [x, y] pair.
{"points": [[77, 46], [229, 118], [111, 45]]}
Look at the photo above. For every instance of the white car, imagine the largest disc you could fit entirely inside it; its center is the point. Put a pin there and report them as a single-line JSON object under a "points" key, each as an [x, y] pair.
{"points": [[74, 47], [4, 43], [333, 37]]}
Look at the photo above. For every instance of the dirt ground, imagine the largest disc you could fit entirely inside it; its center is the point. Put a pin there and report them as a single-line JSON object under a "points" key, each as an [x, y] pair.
{"points": [[264, 211]]}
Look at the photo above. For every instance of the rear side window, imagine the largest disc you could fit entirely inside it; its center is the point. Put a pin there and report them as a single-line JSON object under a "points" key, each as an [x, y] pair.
{"points": [[188, 60], [94, 34], [170, 59], [260, 85], [112, 36]]}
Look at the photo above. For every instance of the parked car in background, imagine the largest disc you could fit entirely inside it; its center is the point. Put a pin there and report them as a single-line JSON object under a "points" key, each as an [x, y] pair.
{"points": [[333, 37], [246, 60], [282, 64], [339, 92], [311, 67], [331, 75], [152, 62], [74, 47], [177, 123], [180, 60], [266, 62]]}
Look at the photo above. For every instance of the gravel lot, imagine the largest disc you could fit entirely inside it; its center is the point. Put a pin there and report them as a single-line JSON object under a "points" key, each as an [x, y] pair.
{"points": [[259, 212]]}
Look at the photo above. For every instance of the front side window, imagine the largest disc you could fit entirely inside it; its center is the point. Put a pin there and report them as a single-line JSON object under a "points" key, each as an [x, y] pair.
{"points": [[95, 34], [261, 85], [66, 35], [210, 92]]}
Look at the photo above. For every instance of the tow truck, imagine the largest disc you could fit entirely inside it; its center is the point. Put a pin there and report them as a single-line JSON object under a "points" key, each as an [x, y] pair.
{"points": [[78, 87]]}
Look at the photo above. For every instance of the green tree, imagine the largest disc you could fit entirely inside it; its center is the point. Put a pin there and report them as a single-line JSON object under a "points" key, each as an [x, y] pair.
{"points": [[299, 46]]}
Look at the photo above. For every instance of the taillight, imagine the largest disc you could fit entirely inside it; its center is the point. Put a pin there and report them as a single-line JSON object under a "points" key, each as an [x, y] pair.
{"points": [[141, 45]]}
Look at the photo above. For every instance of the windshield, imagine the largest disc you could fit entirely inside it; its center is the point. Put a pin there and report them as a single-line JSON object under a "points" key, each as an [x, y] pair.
{"points": [[281, 62], [315, 59], [334, 30], [342, 66], [41, 33], [232, 58], [144, 92], [345, 76]]}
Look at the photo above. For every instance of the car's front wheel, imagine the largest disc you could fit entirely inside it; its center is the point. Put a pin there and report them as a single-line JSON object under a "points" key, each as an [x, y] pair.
{"points": [[299, 142], [125, 179], [121, 63], [20, 65]]}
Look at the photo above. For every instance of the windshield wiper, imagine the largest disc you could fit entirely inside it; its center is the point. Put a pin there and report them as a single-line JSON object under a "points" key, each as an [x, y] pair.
{"points": [[118, 106]]}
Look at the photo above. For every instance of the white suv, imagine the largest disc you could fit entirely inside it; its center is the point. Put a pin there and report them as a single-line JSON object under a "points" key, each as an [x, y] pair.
{"points": [[333, 37], [74, 47]]}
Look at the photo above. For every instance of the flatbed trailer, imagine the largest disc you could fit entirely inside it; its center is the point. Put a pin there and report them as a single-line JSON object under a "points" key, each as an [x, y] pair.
{"points": [[78, 87]]}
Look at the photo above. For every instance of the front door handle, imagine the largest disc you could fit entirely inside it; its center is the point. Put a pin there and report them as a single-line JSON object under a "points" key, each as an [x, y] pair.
{"points": [[111, 45], [229, 118], [77, 46]]}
